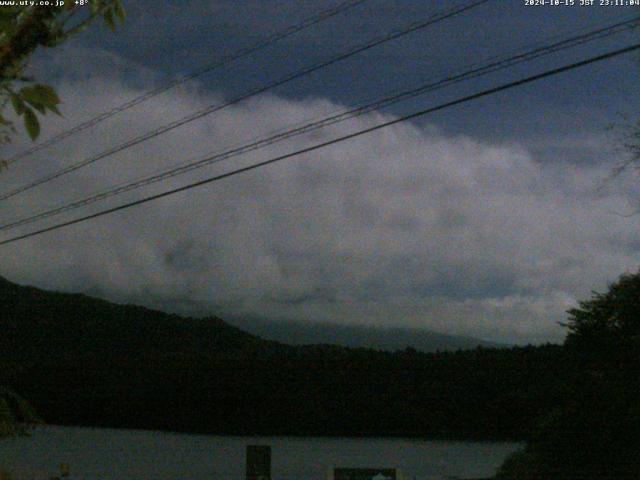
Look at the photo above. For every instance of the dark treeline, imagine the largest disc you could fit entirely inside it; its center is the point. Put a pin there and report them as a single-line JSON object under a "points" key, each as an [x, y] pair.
{"points": [[84, 361], [594, 432]]}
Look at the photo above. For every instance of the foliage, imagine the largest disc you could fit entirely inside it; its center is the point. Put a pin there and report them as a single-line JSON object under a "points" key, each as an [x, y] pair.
{"points": [[594, 433], [22, 30], [608, 321], [17, 416]]}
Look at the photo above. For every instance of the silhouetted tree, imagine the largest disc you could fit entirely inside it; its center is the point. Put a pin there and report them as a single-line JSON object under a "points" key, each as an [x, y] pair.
{"points": [[608, 322], [595, 432], [23, 29]]}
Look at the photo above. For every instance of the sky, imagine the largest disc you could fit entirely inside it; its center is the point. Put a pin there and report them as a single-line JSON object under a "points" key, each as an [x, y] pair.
{"points": [[489, 219]]}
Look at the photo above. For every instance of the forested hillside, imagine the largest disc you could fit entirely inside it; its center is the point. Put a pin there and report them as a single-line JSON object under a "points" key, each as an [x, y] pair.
{"points": [[84, 361]]}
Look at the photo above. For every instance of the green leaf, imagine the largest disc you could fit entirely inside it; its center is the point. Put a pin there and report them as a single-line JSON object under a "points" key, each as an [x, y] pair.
{"points": [[54, 109], [18, 104], [40, 95], [109, 20], [6, 25], [10, 11], [120, 12], [8, 17], [95, 6], [39, 107], [31, 123]]}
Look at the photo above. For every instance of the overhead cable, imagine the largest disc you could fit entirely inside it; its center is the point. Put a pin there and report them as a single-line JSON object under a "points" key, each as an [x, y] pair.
{"points": [[225, 60], [490, 67], [433, 19], [468, 98]]}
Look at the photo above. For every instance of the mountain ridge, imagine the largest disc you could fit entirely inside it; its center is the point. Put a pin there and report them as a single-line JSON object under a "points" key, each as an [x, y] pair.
{"points": [[297, 332], [89, 362]]}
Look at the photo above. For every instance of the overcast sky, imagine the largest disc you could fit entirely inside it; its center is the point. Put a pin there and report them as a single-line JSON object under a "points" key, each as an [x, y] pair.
{"points": [[489, 219]]}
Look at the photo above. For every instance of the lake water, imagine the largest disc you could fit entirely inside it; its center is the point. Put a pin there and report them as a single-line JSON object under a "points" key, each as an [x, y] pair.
{"points": [[128, 455]]}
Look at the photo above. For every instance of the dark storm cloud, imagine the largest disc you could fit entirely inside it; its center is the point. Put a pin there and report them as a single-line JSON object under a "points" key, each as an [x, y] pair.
{"points": [[177, 37]]}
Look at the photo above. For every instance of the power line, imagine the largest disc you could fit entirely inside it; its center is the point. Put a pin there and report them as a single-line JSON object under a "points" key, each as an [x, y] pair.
{"points": [[498, 64], [318, 146], [433, 19], [226, 60]]}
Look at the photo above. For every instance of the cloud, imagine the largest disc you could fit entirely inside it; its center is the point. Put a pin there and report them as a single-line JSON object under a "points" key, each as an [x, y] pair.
{"points": [[407, 226]]}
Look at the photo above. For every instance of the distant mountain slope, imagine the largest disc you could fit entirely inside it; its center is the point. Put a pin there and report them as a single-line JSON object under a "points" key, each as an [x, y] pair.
{"points": [[355, 336], [85, 361]]}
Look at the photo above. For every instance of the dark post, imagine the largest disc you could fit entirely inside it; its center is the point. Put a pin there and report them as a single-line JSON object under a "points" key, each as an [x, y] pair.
{"points": [[258, 462]]}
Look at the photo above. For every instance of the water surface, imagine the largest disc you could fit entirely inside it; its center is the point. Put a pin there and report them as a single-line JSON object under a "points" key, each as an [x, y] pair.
{"points": [[134, 455]]}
